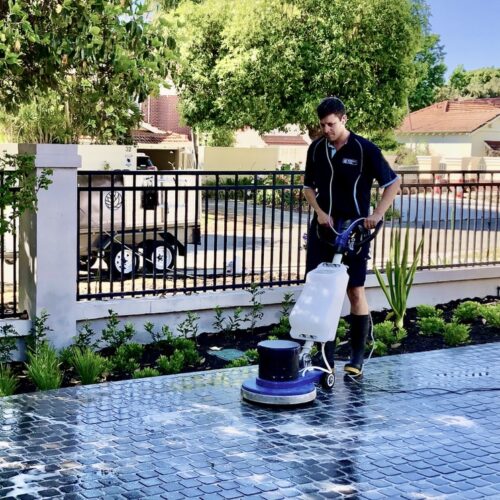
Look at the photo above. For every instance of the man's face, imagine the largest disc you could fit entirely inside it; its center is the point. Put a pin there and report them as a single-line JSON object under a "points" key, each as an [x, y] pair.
{"points": [[333, 127]]}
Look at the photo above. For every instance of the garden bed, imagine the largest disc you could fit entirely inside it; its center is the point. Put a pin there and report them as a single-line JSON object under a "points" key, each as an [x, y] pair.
{"points": [[209, 349]]}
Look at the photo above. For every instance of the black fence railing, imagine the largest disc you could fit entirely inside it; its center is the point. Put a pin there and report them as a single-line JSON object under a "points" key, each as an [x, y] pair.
{"points": [[9, 275], [160, 233]]}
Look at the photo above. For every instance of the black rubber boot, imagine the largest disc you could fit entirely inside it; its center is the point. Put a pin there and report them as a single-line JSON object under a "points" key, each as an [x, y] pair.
{"points": [[317, 359], [360, 327]]}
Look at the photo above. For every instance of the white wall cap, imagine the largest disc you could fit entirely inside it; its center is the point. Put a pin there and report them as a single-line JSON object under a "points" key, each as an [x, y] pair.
{"points": [[53, 155]]}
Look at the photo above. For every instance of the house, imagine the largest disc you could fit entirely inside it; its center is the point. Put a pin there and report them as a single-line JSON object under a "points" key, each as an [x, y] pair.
{"points": [[454, 128]]}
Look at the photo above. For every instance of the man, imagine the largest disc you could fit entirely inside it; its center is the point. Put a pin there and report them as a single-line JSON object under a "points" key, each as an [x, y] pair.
{"points": [[340, 169]]}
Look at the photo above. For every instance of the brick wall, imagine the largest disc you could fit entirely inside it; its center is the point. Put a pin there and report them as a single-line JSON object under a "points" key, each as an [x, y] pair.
{"points": [[162, 112]]}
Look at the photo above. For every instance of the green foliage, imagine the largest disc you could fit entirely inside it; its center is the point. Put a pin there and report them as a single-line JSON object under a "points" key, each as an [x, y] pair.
{"points": [[87, 63], [387, 334], [380, 348], [8, 382], [256, 308], [113, 335], [188, 349], [164, 334], [7, 342], [406, 156], [126, 358], [430, 69], [491, 314], [38, 332], [238, 362], [399, 274], [19, 186], [43, 367], [267, 63], [88, 365], [283, 328], [431, 325], [427, 311], [189, 327], [221, 137], [478, 83], [467, 311], [342, 329], [146, 372], [171, 364], [272, 337], [85, 338], [456, 334], [252, 355]]}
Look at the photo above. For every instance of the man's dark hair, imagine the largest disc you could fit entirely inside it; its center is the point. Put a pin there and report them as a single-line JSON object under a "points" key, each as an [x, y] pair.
{"points": [[330, 105]]}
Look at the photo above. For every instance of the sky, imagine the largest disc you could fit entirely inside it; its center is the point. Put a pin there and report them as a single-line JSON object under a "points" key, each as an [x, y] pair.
{"points": [[469, 31]]}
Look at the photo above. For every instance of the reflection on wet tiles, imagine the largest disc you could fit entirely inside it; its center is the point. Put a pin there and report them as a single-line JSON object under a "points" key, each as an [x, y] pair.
{"points": [[192, 436]]}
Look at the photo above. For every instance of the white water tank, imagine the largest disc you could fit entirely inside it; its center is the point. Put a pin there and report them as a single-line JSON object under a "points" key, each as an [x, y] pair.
{"points": [[316, 313]]}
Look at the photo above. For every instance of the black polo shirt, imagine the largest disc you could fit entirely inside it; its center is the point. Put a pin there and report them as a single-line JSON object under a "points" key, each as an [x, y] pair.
{"points": [[343, 183]]}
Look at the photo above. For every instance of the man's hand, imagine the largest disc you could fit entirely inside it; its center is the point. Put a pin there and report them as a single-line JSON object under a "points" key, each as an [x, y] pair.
{"points": [[372, 220], [324, 219]]}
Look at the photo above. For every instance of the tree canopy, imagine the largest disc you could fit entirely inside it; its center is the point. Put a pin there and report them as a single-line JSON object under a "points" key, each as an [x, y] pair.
{"points": [[267, 63], [478, 83], [90, 62]]}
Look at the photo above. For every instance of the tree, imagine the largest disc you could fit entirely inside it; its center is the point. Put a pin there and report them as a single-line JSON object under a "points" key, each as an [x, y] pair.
{"points": [[430, 70], [267, 63], [478, 83], [90, 61]]}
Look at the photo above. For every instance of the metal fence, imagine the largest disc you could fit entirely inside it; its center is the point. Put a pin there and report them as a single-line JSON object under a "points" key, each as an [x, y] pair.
{"points": [[9, 276], [160, 233]]}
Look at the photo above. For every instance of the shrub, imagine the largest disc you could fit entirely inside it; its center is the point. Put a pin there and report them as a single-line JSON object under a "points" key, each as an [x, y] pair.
{"points": [[282, 329], [7, 342], [189, 327], [252, 355], [235, 363], [8, 382], [85, 338], [342, 329], [39, 330], [126, 358], [384, 332], [256, 309], [491, 314], [431, 325], [380, 347], [467, 311], [456, 334], [88, 365], [171, 364], [188, 349], [114, 336], [43, 367], [146, 372], [426, 311]]}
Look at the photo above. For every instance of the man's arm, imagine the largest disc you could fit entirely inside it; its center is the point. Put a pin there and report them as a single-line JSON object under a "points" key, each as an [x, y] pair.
{"points": [[385, 202], [323, 218]]}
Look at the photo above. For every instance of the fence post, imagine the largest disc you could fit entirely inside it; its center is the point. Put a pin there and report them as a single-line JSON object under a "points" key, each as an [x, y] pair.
{"points": [[48, 241]]}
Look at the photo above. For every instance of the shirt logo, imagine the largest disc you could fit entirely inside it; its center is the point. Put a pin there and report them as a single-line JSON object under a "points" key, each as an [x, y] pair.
{"points": [[349, 161]]}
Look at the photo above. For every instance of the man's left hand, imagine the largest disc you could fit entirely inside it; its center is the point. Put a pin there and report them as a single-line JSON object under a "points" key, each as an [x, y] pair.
{"points": [[372, 220]]}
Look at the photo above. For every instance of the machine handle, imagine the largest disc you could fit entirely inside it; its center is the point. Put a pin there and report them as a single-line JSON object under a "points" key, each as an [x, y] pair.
{"points": [[370, 235]]}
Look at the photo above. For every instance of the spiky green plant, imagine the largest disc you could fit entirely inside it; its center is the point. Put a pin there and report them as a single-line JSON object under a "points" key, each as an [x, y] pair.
{"points": [[399, 274], [8, 382], [89, 365], [43, 367], [146, 372], [467, 311], [456, 334], [427, 311]]}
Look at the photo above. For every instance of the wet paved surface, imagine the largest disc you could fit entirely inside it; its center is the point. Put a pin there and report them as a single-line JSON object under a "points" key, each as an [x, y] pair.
{"points": [[191, 436]]}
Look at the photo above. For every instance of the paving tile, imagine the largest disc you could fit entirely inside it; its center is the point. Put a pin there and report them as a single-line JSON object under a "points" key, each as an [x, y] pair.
{"points": [[191, 436]]}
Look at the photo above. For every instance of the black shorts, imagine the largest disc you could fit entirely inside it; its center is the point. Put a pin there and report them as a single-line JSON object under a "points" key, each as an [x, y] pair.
{"points": [[318, 252]]}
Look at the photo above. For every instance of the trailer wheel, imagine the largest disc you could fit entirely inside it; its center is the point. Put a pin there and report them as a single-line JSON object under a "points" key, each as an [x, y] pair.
{"points": [[160, 256], [122, 261]]}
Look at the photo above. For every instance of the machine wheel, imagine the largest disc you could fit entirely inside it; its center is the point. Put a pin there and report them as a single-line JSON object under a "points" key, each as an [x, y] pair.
{"points": [[122, 261], [87, 261], [160, 256], [328, 381]]}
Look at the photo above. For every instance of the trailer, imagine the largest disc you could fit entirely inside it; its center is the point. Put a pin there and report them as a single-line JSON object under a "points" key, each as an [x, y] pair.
{"points": [[136, 221]]}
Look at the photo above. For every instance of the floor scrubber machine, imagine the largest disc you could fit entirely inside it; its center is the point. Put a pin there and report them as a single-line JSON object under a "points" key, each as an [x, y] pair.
{"points": [[286, 373]]}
